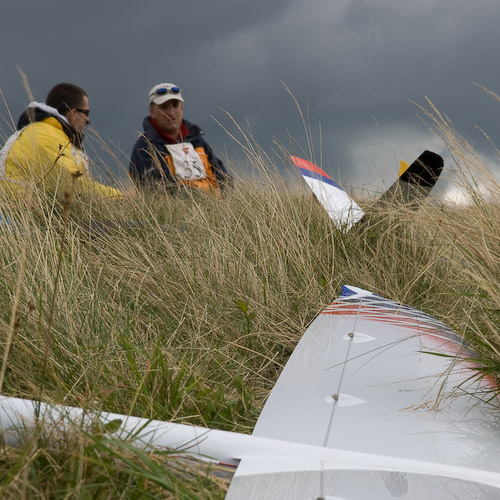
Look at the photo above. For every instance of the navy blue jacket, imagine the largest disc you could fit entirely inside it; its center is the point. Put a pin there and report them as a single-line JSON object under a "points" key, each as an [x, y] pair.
{"points": [[147, 164]]}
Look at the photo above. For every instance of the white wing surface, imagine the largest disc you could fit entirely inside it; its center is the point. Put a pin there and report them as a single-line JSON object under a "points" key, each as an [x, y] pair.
{"points": [[376, 377], [344, 211]]}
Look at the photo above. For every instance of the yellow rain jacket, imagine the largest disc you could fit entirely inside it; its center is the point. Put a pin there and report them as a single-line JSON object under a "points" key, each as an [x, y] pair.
{"points": [[41, 155]]}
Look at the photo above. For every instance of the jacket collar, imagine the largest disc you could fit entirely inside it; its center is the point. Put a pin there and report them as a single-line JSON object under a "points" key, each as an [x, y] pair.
{"points": [[152, 134], [167, 138], [37, 111]]}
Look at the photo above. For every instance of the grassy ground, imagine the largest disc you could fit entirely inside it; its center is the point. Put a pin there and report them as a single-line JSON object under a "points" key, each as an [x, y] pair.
{"points": [[186, 309]]}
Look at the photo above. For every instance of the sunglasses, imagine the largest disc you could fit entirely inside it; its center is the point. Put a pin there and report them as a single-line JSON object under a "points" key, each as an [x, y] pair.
{"points": [[171, 90], [86, 112]]}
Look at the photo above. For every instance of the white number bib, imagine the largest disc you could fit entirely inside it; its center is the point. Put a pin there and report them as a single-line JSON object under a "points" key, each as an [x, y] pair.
{"points": [[187, 161]]}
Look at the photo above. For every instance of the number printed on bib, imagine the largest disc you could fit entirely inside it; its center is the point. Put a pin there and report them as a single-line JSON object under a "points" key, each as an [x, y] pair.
{"points": [[187, 162]]}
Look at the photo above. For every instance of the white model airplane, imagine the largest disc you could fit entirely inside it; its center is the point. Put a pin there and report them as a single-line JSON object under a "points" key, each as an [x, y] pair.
{"points": [[414, 183], [377, 401]]}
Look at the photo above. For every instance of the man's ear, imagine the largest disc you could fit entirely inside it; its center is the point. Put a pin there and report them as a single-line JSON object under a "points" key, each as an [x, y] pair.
{"points": [[70, 116]]}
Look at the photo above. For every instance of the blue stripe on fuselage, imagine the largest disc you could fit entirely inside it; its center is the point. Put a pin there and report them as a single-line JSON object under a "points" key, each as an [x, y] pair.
{"points": [[319, 177]]}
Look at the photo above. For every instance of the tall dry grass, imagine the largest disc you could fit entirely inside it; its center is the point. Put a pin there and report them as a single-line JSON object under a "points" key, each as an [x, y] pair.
{"points": [[185, 308]]}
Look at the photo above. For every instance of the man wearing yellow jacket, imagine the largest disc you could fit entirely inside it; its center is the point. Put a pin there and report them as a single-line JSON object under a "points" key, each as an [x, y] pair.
{"points": [[47, 152]]}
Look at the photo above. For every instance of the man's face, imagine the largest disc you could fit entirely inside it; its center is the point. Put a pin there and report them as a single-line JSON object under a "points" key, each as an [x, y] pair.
{"points": [[168, 116], [78, 118]]}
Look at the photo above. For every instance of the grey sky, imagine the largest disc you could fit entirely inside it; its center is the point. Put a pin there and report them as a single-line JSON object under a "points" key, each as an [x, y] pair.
{"points": [[354, 65]]}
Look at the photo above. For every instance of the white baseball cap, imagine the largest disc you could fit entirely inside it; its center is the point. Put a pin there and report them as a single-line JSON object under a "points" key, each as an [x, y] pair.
{"points": [[164, 92]]}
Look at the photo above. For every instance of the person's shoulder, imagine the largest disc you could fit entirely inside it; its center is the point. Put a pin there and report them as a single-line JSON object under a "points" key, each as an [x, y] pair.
{"points": [[51, 127], [52, 122], [193, 129], [47, 126], [47, 134], [150, 134]]}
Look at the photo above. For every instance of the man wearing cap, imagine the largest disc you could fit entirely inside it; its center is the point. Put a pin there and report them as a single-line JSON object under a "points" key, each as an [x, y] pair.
{"points": [[172, 152]]}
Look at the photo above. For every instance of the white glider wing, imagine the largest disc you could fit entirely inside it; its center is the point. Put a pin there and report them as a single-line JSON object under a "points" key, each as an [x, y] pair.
{"points": [[391, 385]]}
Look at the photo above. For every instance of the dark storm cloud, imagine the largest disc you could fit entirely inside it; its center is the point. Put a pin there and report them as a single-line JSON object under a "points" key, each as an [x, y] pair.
{"points": [[354, 66]]}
